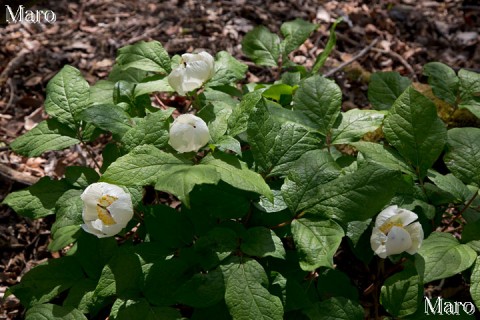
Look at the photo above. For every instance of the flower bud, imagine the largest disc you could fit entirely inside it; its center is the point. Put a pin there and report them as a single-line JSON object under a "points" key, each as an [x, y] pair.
{"points": [[107, 209], [395, 233], [188, 133], [192, 73]]}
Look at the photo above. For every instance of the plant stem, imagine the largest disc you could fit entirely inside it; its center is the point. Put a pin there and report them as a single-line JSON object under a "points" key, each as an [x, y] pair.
{"points": [[286, 223], [459, 214], [378, 282], [90, 153]]}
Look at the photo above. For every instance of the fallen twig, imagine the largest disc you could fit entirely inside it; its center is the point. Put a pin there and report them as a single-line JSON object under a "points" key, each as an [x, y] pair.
{"points": [[354, 58], [12, 94], [395, 55], [392, 54], [13, 65], [16, 176]]}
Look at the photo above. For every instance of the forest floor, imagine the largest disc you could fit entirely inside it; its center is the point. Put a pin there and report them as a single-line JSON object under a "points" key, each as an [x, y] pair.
{"points": [[87, 33]]}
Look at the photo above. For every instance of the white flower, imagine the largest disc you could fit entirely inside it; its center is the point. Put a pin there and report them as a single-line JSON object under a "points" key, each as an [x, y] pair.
{"points": [[395, 233], [198, 69], [107, 209], [188, 133]]}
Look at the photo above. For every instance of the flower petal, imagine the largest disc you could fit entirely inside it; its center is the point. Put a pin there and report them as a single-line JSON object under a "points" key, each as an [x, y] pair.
{"points": [[377, 242], [193, 73], [406, 216], [416, 233], [89, 212], [175, 79], [385, 214], [398, 241], [188, 133], [106, 198]]}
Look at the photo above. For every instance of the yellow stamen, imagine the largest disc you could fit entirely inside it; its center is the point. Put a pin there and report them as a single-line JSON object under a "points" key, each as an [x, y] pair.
{"points": [[107, 200], [386, 227], [104, 215], [102, 211]]}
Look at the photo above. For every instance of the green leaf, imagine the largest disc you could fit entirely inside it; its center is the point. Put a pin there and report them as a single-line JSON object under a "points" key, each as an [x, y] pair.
{"points": [[67, 96], [275, 147], [122, 276], [217, 120], [383, 155], [47, 280], [246, 295], [180, 180], [279, 92], [147, 56], [102, 92], [463, 155], [131, 75], [415, 130], [320, 100], [141, 166], [284, 115], [167, 227], [225, 143], [236, 173], [332, 40], [316, 241], [94, 253], [108, 117], [163, 279], [262, 242], [356, 229], [215, 246], [68, 210], [385, 87], [262, 46], [68, 219], [125, 98], [402, 293], [110, 153], [475, 283], [80, 296], [443, 80], [355, 124], [335, 283], [63, 237], [38, 200], [442, 256], [153, 130], [238, 121], [80, 177], [278, 203], [470, 91], [230, 203], [141, 309], [203, 289], [313, 169], [219, 99], [451, 184], [295, 33], [349, 198], [227, 70], [336, 308], [53, 312], [155, 83], [48, 135], [218, 311], [471, 233]]}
